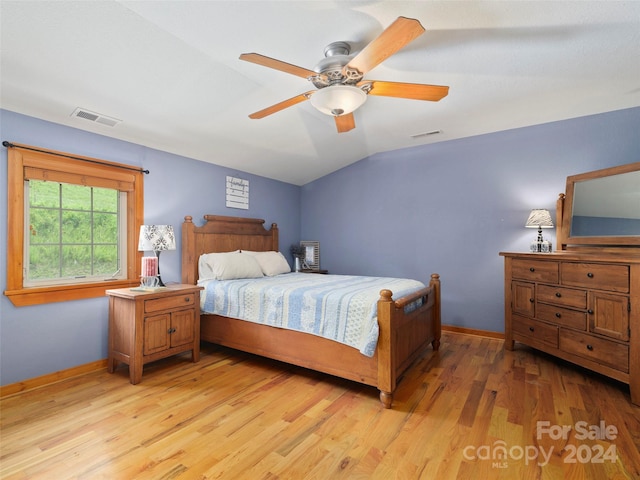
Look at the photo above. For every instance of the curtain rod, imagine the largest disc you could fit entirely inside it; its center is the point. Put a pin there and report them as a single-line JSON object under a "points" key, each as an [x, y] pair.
{"points": [[11, 145]]}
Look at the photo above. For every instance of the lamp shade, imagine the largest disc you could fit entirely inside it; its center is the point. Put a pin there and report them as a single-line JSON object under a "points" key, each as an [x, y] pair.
{"points": [[338, 99], [156, 238], [539, 218]]}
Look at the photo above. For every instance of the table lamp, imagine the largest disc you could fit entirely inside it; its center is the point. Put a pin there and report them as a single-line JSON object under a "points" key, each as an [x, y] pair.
{"points": [[540, 218], [157, 238]]}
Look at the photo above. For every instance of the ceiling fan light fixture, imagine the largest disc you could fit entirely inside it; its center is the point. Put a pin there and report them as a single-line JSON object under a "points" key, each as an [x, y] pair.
{"points": [[336, 100]]}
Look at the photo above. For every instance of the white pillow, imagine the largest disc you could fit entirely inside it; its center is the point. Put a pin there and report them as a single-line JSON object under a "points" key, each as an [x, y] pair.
{"points": [[272, 263], [228, 266]]}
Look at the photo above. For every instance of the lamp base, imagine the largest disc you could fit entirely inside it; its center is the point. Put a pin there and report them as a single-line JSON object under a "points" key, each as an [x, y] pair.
{"points": [[538, 246], [160, 282]]}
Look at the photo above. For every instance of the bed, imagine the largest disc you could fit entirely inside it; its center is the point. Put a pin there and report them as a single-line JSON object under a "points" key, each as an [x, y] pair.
{"points": [[404, 334]]}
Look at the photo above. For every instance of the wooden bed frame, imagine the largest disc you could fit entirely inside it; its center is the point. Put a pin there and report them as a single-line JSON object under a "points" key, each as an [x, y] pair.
{"points": [[403, 336]]}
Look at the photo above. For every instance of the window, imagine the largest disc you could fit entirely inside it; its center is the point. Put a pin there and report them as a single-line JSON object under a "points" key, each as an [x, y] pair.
{"points": [[73, 233], [72, 226]]}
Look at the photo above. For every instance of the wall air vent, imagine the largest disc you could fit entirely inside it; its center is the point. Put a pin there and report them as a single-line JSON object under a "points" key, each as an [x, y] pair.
{"points": [[95, 117]]}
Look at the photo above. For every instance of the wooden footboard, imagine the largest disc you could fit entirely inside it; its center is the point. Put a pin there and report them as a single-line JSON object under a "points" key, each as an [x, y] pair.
{"points": [[297, 348], [404, 333]]}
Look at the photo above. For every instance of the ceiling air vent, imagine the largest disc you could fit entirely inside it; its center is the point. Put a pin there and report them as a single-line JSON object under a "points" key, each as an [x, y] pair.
{"points": [[426, 134], [95, 117]]}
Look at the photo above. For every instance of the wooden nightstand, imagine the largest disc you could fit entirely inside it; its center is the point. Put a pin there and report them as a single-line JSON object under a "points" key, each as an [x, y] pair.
{"points": [[149, 325]]}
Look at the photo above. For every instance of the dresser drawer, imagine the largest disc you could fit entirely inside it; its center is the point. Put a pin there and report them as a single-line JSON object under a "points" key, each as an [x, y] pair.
{"points": [[562, 316], [567, 297], [165, 303], [593, 275], [535, 270], [605, 352], [539, 331]]}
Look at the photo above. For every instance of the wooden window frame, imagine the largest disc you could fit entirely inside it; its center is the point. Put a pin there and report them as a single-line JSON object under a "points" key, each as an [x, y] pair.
{"points": [[22, 162]]}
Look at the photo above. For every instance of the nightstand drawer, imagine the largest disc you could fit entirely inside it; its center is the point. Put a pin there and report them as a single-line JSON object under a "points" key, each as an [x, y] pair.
{"points": [[593, 275], [164, 303], [606, 352], [535, 270]]}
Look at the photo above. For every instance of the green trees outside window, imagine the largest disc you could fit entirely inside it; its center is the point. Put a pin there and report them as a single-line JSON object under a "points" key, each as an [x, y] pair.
{"points": [[73, 231]]}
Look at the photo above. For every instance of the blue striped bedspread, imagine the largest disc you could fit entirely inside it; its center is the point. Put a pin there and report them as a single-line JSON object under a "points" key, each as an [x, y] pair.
{"points": [[342, 308]]}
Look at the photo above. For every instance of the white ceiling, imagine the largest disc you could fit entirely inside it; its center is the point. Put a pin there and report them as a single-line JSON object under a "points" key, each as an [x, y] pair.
{"points": [[170, 71]]}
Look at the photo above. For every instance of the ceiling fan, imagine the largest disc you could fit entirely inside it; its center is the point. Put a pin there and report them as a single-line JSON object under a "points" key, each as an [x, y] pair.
{"points": [[339, 81]]}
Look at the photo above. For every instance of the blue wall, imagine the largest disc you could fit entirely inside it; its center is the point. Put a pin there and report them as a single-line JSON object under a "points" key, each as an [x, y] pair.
{"points": [[450, 207], [46, 338]]}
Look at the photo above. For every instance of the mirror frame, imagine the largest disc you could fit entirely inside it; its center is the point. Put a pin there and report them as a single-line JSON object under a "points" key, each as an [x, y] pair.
{"points": [[565, 208]]}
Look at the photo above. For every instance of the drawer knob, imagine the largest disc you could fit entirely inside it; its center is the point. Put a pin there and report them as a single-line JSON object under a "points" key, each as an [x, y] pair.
{"points": [[532, 269], [531, 329], [589, 347], [558, 315], [531, 300], [558, 294], [171, 330], [186, 299], [590, 312], [590, 275]]}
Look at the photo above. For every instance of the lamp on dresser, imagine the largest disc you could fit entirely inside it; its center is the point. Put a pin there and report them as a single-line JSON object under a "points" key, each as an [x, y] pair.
{"points": [[157, 238], [540, 218]]}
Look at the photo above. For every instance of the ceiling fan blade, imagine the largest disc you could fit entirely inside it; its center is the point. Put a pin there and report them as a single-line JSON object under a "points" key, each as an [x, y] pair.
{"points": [[277, 65], [392, 39], [413, 91], [345, 122], [282, 105]]}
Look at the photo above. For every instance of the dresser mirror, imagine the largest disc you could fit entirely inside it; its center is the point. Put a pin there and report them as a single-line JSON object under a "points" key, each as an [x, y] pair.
{"points": [[601, 208]]}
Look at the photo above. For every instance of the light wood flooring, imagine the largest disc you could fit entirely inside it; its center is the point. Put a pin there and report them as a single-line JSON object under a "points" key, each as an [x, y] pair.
{"points": [[468, 412]]}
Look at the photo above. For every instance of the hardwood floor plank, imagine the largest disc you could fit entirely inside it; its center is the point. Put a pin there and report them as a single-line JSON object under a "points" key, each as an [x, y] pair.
{"points": [[235, 415]]}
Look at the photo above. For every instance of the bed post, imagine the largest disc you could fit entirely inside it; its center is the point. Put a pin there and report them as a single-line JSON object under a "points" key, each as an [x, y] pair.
{"points": [[189, 264], [386, 339], [437, 320], [274, 237]]}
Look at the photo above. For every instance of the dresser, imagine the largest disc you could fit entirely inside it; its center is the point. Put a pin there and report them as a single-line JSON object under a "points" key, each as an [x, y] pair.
{"points": [[582, 307], [145, 326]]}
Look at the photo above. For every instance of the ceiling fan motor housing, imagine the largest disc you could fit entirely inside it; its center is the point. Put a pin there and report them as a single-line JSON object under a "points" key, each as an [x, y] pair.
{"points": [[330, 68]]}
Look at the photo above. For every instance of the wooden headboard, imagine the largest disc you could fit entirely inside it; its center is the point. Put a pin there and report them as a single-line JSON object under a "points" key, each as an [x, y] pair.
{"points": [[222, 234]]}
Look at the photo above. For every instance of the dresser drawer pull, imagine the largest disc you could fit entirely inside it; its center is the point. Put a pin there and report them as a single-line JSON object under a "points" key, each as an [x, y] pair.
{"points": [[590, 275], [171, 330], [531, 329], [558, 294], [558, 315], [532, 300], [186, 299], [590, 312], [589, 347], [531, 269]]}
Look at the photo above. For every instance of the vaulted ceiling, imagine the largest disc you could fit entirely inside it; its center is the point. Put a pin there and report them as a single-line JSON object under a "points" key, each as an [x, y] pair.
{"points": [[170, 73]]}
